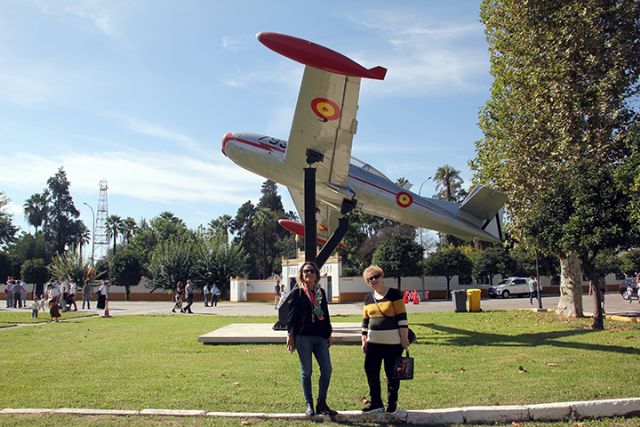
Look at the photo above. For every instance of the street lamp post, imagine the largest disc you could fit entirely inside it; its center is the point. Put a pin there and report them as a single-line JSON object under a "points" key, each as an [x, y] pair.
{"points": [[93, 235], [421, 244]]}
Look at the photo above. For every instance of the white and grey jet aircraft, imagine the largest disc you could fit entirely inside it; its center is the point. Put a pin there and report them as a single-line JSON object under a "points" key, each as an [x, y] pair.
{"points": [[324, 122]]}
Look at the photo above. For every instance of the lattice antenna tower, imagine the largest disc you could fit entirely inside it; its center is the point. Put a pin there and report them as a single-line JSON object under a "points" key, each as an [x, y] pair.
{"points": [[102, 239]]}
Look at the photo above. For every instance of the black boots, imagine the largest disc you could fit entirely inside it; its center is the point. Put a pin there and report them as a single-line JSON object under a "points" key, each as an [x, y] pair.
{"points": [[309, 412], [323, 409]]}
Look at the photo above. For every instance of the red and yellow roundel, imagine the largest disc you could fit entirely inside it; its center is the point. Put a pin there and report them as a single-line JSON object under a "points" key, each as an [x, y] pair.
{"points": [[403, 199], [325, 109]]}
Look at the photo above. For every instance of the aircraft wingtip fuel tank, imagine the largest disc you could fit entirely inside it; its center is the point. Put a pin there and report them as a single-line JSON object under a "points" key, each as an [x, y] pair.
{"points": [[323, 126]]}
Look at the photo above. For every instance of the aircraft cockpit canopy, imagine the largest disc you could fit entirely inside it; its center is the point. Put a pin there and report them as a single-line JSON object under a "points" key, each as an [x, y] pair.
{"points": [[366, 166]]}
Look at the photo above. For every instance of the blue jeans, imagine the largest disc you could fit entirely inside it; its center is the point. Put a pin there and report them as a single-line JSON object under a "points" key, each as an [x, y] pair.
{"points": [[319, 347]]}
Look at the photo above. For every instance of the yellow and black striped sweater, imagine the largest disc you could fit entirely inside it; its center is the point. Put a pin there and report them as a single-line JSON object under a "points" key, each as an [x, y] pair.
{"points": [[382, 327]]}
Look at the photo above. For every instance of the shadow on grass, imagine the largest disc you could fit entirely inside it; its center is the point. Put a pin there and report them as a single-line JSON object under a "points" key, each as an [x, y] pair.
{"points": [[464, 337]]}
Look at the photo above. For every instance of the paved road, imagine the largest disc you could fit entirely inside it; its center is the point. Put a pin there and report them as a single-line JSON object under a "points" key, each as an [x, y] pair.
{"points": [[614, 305]]}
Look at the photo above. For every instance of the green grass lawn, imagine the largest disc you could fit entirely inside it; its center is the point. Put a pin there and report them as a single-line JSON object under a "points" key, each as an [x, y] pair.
{"points": [[17, 317], [137, 362]]}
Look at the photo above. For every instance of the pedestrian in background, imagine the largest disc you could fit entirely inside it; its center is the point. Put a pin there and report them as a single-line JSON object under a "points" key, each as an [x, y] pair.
{"points": [[177, 297], [86, 294], [533, 288], [205, 294], [215, 295], [188, 290]]}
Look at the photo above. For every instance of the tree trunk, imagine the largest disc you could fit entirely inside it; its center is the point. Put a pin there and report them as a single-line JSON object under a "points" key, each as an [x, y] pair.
{"points": [[598, 303], [127, 293], [570, 303], [448, 288]]}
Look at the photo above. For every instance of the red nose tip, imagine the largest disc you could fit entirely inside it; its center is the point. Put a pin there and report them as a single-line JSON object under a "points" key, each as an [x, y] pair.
{"points": [[227, 136]]}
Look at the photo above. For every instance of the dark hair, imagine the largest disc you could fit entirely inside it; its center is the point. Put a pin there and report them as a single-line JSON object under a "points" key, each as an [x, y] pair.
{"points": [[315, 267]]}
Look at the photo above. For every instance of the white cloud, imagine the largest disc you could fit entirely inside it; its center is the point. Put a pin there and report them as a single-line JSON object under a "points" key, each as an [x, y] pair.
{"points": [[235, 44], [148, 129], [99, 14], [27, 87], [161, 177], [424, 58]]}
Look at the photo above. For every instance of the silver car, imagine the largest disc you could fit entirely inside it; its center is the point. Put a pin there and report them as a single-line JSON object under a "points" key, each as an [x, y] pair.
{"points": [[511, 286]]}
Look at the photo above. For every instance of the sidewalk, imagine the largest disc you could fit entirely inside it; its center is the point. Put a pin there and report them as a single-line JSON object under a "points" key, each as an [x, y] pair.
{"points": [[561, 411], [614, 305]]}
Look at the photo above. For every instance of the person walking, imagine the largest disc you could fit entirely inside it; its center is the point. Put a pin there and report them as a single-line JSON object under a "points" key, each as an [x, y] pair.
{"points": [[215, 295], [178, 297], [385, 334], [8, 292], [205, 294], [86, 294], [103, 298], [276, 295], [309, 333], [533, 288], [188, 290]]}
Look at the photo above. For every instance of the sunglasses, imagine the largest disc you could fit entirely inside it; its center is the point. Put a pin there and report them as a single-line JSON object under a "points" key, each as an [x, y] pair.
{"points": [[374, 277], [309, 271]]}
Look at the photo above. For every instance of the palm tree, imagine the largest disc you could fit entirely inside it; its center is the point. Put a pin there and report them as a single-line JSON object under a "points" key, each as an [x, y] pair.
{"points": [[262, 219], [221, 225], [36, 209], [113, 225], [448, 183], [128, 228], [404, 183], [81, 237]]}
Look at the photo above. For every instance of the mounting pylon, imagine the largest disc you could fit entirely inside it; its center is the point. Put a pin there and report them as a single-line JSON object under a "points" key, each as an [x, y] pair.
{"points": [[102, 239]]}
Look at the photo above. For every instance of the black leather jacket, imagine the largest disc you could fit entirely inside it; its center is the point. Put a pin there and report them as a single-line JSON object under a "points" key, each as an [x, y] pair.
{"points": [[300, 319]]}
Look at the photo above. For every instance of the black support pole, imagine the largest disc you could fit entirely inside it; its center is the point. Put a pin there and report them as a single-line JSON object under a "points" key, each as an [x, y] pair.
{"points": [[310, 230]]}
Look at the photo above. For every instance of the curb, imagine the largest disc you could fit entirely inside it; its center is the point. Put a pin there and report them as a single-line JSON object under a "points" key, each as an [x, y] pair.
{"points": [[560, 411]]}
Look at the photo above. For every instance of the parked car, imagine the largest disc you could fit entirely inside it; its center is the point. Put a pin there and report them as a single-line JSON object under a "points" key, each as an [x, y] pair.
{"points": [[511, 286]]}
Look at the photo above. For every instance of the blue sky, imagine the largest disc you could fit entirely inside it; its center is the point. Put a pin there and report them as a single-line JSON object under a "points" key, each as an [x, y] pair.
{"points": [[140, 93]]}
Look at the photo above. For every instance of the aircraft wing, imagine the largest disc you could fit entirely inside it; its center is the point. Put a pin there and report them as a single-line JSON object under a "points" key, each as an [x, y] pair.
{"points": [[325, 116], [326, 216], [325, 122]]}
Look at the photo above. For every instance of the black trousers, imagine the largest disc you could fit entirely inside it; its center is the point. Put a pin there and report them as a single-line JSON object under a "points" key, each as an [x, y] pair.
{"points": [[376, 354]]}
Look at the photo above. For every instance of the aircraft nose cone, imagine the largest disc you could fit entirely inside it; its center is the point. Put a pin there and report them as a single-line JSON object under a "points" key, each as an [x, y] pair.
{"points": [[227, 136]]}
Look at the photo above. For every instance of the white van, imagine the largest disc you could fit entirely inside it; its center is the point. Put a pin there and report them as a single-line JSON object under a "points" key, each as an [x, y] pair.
{"points": [[511, 286]]}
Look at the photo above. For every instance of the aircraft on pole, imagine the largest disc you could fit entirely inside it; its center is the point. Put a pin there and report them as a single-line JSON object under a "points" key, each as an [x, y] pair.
{"points": [[321, 135]]}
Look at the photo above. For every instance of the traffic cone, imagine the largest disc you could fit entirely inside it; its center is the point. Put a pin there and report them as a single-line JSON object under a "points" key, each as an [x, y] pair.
{"points": [[416, 300], [405, 298]]}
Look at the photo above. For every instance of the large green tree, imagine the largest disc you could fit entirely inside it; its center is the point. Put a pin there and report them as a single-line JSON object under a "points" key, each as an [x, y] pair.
{"points": [[125, 270], [399, 255], [62, 225], [35, 271], [447, 261], [564, 74], [7, 229], [585, 219]]}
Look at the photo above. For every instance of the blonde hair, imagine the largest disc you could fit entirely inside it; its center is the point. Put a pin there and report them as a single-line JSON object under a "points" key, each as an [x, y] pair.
{"points": [[371, 269]]}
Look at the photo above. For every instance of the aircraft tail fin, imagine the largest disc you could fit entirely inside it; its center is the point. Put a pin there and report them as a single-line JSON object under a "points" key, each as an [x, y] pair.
{"points": [[486, 204]]}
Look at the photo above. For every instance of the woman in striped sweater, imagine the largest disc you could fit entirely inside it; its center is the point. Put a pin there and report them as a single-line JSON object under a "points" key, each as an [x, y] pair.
{"points": [[385, 333]]}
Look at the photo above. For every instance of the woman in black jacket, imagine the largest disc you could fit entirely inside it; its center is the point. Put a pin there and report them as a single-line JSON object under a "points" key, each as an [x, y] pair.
{"points": [[309, 332]]}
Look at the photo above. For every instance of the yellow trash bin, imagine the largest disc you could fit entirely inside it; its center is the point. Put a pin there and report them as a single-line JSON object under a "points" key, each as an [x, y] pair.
{"points": [[473, 300]]}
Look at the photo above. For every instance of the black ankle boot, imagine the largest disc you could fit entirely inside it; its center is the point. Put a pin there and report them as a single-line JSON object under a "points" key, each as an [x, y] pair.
{"points": [[309, 412], [323, 409]]}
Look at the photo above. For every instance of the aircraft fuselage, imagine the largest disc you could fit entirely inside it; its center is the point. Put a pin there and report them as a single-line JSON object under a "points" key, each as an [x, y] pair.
{"points": [[375, 194]]}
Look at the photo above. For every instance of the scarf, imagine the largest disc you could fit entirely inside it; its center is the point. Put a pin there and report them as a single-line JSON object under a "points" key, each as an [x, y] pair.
{"points": [[316, 301]]}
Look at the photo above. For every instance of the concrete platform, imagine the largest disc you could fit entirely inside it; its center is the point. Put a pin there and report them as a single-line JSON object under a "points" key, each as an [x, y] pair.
{"points": [[261, 333]]}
